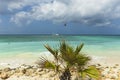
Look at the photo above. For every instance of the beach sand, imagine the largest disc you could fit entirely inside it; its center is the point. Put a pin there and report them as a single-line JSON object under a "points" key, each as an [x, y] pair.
{"points": [[23, 67]]}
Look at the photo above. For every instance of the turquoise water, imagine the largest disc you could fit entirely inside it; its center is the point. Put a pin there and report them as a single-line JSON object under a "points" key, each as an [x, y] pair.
{"points": [[94, 45]]}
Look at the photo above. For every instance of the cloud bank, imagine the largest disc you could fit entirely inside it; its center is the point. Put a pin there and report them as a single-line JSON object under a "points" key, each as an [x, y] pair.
{"points": [[90, 12]]}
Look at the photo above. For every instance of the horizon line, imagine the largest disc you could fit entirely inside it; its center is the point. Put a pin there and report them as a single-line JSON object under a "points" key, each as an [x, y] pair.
{"points": [[62, 34]]}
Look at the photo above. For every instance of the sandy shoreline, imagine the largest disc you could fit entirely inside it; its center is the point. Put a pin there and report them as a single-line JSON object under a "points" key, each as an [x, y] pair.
{"points": [[16, 61], [29, 72], [109, 66], [33, 72]]}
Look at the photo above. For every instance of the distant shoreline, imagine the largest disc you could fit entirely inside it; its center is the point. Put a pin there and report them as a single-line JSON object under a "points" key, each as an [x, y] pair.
{"points": [[60, 34]]}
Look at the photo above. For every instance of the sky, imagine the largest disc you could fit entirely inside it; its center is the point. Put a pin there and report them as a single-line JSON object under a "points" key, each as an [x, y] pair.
{"points": [[60, 17]]}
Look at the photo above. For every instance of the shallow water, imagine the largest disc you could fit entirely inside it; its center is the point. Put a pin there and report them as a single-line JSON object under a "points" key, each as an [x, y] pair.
{"points": [[26, 49], [94, 45]]}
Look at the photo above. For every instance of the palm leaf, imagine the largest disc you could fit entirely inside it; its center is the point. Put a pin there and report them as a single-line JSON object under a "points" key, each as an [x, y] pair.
{"points": [[82, 60], [92, 72], [52, 51], [67, 53], [72, 57], [78, 48], [44, 63]]}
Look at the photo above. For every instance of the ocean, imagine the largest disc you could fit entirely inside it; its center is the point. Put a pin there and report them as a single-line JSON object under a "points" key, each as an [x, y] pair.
{"points": [[13, 45]]}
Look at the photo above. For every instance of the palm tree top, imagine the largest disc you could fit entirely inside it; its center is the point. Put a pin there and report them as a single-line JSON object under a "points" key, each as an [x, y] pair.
{"points": [[67, 57]]}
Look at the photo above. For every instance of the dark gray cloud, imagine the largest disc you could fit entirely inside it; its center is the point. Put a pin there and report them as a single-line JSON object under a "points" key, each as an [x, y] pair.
{"points": [[90, 12], [4, 5]]}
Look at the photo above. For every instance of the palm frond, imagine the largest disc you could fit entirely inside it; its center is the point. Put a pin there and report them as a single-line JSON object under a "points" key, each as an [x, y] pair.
{"points": [[44, 63], [54, 52], [67, 53], [78, 48], [92, 72], [72, 57], [82, 60]]}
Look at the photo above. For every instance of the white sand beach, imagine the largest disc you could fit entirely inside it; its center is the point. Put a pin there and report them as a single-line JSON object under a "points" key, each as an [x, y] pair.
{"points": [[23, 67]]}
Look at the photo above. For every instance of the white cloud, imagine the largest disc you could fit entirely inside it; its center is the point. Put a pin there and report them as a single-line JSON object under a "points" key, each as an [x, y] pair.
{"points": [[21, 17], [96, 12], [11, 5], [19, 4]]}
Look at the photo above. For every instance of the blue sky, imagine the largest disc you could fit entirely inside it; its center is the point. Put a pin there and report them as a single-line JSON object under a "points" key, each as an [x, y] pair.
{"points": [[49, 17]]}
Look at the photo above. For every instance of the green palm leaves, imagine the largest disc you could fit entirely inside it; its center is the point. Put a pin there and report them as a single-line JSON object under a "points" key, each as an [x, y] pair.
{"points": [[67, 58], [91, 72], [54, 52], [46, 63]]}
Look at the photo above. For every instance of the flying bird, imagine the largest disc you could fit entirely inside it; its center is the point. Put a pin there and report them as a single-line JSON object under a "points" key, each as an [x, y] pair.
{"points": [[65, 24], [52, 1]]}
